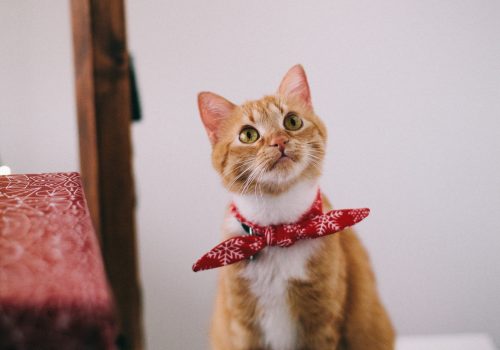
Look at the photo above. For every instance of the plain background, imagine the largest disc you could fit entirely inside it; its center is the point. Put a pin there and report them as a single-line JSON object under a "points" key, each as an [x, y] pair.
{"points": [[409, 90]]}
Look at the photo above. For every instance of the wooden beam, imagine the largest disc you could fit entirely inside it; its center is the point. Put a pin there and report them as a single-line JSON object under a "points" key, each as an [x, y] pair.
{"points": [[104, 116]]}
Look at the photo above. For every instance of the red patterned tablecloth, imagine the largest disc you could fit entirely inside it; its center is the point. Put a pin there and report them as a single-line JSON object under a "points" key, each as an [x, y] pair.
{"points": [[53, 289]]}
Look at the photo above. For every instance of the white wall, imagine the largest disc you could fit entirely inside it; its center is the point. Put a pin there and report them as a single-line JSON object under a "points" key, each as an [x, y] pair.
{"points": [[37, 103], [410, 91]]}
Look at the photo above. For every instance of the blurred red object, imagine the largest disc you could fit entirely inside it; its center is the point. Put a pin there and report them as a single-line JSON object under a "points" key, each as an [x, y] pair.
{"points": [[53, 288]]}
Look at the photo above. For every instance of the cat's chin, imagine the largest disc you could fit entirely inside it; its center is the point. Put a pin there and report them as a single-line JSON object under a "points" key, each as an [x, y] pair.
{"points": [[284, 163], [284, 172]]}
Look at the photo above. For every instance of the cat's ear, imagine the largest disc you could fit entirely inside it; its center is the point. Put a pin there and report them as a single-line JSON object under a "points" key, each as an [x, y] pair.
{"points": [[213, 110], [294, 85]]}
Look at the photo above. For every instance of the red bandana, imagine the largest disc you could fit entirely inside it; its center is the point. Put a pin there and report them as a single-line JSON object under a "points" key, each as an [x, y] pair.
{"points": [[312, 224]]}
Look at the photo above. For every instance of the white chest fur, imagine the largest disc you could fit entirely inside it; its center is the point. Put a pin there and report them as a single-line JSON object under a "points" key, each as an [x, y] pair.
{"points": [[270, 273]]}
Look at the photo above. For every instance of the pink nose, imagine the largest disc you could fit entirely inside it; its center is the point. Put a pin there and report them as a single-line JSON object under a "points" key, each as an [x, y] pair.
{"points": [[279, 141]]}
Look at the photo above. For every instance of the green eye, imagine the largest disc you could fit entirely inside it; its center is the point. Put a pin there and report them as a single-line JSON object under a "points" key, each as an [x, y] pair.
{"points": [[249, 135], [292, 122]]}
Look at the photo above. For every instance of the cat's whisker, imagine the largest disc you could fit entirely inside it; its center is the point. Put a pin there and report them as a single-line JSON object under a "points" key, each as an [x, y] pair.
{"points": [[315, 157], [237, 178], [257, 172], [246, 162], [314, 163], [317, 154], [234, 181], [260, 169], [238, 165], [252, 176], [311, 149], [259, 183]]}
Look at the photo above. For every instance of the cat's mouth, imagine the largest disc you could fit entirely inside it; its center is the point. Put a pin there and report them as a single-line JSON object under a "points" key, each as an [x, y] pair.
{"points": [[283, 160], [283, 167]]}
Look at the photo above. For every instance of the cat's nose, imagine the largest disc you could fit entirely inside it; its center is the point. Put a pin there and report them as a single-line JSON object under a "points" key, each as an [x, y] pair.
{"points": [[279, 141]]}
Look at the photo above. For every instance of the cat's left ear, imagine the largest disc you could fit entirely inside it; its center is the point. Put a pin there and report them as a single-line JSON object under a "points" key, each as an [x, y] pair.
{"points": [[213, 110], [294, 85]]}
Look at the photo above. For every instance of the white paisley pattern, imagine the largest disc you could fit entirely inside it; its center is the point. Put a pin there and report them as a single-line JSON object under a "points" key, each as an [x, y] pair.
{"points": [[49, 259]]}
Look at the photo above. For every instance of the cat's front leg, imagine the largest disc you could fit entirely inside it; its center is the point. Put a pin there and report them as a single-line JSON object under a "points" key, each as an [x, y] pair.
{"points": [[234, 323]]}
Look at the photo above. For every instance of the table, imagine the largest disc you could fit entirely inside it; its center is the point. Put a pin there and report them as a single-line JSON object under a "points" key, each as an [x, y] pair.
{"points": [[53, 288]]}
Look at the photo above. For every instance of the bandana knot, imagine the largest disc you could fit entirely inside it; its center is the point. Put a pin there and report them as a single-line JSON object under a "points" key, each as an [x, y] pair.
{"points": [[278, 236], [312, 224]]}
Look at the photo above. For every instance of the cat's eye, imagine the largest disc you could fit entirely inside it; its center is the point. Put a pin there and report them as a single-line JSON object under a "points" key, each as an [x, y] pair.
{"points": [[249, 135], [292, 122]]}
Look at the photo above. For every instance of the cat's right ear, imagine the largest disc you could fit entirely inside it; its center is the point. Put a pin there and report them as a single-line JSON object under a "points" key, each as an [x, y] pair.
{"points": [[213, 110], [295, 85]]}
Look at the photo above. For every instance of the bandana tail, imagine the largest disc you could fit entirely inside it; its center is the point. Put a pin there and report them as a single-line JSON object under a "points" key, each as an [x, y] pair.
{"points": [[230, 251], [345, 218]]}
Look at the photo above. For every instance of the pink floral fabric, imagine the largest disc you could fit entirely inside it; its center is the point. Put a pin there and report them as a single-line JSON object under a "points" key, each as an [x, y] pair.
{"points": [[53, 289]]}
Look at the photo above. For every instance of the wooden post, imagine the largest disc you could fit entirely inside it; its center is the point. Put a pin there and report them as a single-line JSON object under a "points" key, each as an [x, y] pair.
{"points": [[104, 116]]}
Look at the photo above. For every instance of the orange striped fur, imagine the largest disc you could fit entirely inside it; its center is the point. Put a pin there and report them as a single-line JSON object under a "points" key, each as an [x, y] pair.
{"points": [[328, 299]]}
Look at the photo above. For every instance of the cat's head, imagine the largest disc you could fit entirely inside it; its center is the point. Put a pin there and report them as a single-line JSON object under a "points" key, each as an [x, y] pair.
{"points": [[266, 145]]}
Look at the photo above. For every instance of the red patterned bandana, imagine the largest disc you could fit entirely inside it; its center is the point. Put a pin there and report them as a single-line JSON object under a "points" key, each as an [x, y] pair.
{"points": [[312, 224]]}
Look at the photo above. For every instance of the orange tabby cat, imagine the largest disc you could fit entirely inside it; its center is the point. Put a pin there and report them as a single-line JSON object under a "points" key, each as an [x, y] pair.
{"points": [[316, 294]]}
